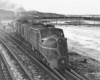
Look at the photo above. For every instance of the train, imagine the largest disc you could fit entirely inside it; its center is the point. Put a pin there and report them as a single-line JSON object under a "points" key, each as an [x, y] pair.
{"points": [[47, 41]]}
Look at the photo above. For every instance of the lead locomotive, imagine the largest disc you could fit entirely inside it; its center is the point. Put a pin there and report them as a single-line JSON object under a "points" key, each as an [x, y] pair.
{"points": [[46, 41]]}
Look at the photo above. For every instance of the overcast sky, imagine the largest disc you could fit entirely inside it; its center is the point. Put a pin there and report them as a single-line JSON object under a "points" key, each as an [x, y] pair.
{"points": [[61, 6]]}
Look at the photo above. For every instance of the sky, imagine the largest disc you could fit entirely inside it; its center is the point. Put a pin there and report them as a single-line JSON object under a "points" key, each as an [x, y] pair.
{"points": [[68, 7]]}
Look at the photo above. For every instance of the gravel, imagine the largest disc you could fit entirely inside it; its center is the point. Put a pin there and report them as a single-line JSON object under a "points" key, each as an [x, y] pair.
{"points": [[90, 69]]}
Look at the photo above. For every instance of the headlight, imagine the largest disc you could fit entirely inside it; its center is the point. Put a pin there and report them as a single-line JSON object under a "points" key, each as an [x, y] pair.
{"points": [[59, 41]]}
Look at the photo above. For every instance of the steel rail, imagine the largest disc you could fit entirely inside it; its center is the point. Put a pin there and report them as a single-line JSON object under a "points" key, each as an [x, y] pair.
{"points": [[75, 75]]}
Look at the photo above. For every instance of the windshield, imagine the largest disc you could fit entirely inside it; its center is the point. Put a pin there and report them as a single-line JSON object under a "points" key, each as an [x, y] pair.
{"points": [[48, 32], [57, 32], [45, 33]]}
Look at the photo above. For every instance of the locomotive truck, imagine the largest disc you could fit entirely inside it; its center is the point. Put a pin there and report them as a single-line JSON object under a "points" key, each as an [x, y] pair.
{"points": [[46, 41]]}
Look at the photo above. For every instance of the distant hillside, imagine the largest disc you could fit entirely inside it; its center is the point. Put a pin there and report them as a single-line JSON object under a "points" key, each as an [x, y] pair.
{"points": [[4, 14], [36, 14]]}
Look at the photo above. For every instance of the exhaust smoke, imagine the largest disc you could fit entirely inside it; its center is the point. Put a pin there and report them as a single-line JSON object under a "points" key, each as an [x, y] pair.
{"points": [[8, 5]]}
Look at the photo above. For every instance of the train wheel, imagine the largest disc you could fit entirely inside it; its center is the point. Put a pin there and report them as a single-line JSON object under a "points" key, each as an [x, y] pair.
{"points": [[36, 51], [45, 60], [39, 54]]}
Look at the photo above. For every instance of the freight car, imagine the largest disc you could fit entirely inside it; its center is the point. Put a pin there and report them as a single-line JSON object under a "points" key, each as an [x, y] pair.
{"points": [[46, 41]]}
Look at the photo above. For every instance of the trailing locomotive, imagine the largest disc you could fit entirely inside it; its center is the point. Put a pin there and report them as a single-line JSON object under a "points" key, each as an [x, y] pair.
{"points": [[46, 41]]}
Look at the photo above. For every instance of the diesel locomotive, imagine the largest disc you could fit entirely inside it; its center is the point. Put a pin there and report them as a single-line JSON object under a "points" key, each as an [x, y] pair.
{"points": [[46, 41]]}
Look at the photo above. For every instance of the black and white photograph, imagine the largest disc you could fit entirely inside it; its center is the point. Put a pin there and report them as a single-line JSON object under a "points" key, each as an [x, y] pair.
{"points": [[49, 39]]}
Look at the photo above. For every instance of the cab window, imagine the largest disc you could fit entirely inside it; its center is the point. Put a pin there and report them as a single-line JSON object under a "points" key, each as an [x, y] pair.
{"points": [[57, 32], [45, 33]]}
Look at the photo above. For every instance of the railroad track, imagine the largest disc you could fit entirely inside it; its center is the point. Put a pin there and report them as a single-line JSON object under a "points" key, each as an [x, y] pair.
{"points": [[55, 75], [8, 56], [68, 75], [74, 74], [5, 68]]}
